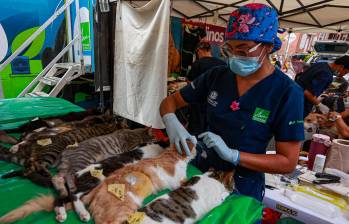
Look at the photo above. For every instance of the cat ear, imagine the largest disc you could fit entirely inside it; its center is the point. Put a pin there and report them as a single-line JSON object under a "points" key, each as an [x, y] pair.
{"points": [[226, 178], [123, 123], [108, 112], [149, 131]]}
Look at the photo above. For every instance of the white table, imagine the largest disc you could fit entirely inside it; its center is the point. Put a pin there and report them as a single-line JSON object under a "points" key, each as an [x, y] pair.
{"points": [[276, 200]]}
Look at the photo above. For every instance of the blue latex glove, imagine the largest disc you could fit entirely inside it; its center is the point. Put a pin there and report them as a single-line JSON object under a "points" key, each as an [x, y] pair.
{"points": [[177, 133], [214, 141]]}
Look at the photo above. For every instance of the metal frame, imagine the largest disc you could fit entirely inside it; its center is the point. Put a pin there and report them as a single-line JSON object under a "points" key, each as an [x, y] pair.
{"points": [[48, 67], [283, 15], [79, 36], [69, 33]]}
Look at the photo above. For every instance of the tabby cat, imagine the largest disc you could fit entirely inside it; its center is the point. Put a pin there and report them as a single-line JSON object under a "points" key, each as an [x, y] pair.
{"points": [[52, 121], [139, 179], [95, 150], [45, 132], [44, 153], [190, 202], [85, 182]]}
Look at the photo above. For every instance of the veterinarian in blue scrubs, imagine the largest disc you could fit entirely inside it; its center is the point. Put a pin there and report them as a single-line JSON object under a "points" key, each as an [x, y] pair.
{"points": [[248, 102]]}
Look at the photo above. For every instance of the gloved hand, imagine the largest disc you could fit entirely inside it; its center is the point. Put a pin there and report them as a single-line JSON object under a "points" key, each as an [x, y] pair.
{"points": [[323, 108], [333, 116], [226, 153], [177, 133]]}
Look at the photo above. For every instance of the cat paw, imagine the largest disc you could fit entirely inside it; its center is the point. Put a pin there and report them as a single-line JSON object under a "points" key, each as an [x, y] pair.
{"points": [[85, 216], [14, 149], [61, 214], [61, 218]]}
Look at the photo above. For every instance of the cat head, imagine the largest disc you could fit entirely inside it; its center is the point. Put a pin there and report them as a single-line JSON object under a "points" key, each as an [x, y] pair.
{"points": [[122, 123], [146, 134], [99, 119], [226, 178]]}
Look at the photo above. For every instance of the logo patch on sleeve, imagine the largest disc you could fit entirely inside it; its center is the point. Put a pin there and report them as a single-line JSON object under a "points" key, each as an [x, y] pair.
{"points": [[261, 115], [212, 98]]}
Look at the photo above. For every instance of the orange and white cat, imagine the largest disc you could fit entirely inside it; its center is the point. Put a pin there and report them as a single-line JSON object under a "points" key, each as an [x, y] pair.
{"points": [[167, 171]]}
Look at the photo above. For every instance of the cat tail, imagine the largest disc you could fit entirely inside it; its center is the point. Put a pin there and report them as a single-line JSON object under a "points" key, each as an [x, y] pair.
{"points": [[41, 180], [41, 203], [16, 173], [36, 178], [5, 154], [8, 139], [87, 198]]}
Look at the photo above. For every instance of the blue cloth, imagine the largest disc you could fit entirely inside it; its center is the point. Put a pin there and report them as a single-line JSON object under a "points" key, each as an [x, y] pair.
{"points": [[315, 79], [254, 22], [197, 112], [273, 107]]}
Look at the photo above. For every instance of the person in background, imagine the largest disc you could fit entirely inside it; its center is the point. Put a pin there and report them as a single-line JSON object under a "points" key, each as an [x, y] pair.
{"points": [[341, 124], [317, 79], [339, 86], [205, 61], [247, 103]]}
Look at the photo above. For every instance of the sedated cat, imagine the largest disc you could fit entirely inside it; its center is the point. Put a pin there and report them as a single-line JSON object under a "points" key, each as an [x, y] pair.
{"points": [[85, 182], [45, 132], [190, 202], [52, 121], [93, 151], [44, 153], [140, 180]]}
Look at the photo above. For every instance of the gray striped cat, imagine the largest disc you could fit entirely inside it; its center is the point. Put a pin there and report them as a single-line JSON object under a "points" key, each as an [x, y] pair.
{"points": [[40, 155], [46, 132], [95, 150], [191, 201]]}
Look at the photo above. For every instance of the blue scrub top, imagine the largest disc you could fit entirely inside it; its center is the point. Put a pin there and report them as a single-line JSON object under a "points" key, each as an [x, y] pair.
{"points": [[272, 107]]}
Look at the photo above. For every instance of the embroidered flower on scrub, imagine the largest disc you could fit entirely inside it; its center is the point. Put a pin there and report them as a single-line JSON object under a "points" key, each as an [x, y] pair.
{"points": [[235, 106]]}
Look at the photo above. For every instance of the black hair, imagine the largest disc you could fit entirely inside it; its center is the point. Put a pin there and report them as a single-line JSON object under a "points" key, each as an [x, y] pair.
{"points": [[344, 60]]}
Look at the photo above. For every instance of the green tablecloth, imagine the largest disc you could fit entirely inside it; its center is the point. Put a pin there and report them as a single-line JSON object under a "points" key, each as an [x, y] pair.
{"points": [[17, 111], [15, 191]]}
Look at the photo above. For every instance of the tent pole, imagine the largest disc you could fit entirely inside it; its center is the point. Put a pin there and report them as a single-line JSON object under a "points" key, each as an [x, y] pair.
{"points": [[288, 45], [99, 70]]}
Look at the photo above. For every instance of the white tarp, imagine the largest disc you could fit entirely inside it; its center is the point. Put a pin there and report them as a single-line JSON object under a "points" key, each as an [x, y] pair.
{"points": [[141, 61]]}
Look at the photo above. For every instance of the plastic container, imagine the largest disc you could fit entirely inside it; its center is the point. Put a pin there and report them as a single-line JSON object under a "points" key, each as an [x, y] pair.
{"points": [[319, 145], [319, 163]]}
